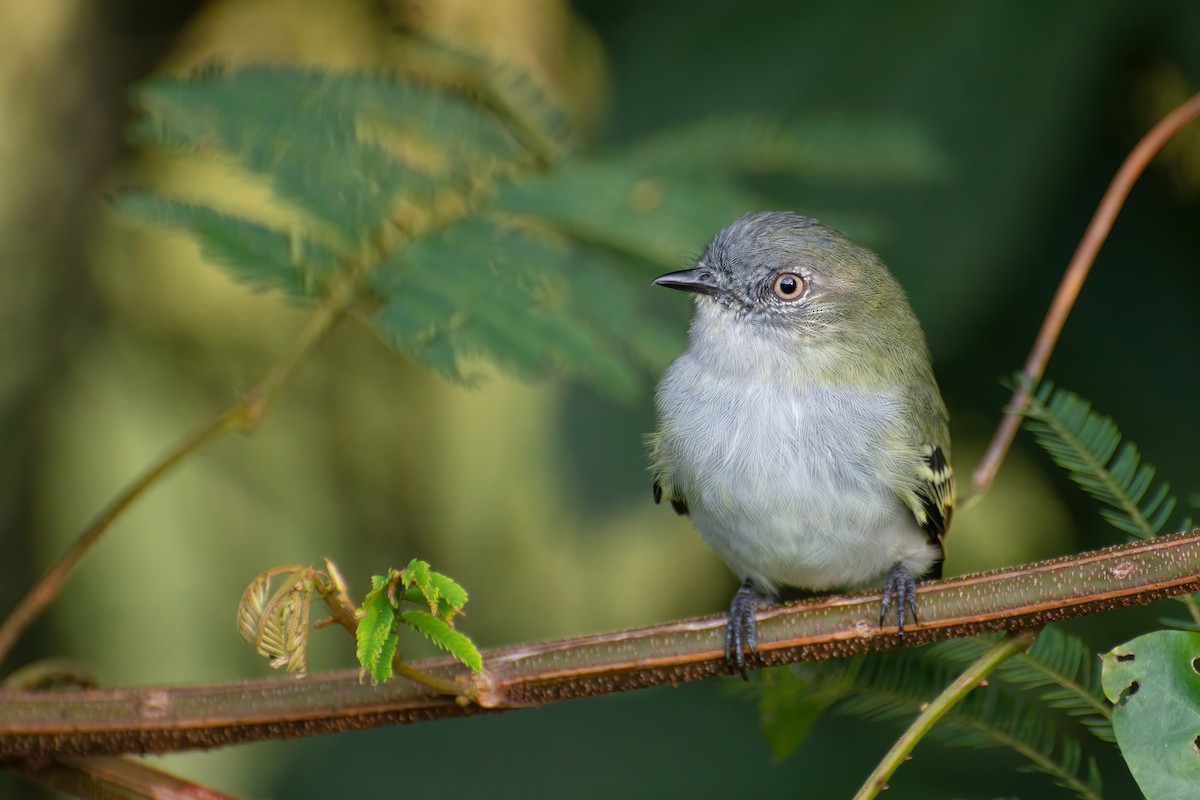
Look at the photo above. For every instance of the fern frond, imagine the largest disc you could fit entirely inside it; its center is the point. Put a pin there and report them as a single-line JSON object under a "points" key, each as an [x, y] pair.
{"points": [[263, 257], [893, 686], [1088, 445], [1059, 669], [395, 179], [476, 288], [444, 196]]}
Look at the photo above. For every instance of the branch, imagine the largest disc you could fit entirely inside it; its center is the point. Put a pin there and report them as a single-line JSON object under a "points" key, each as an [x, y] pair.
{"points": [[40, 725], [1072, 282], [115, 778]]}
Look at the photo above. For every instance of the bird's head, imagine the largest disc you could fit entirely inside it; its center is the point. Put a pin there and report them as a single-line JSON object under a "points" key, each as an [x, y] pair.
{"points": [[782, 273]]}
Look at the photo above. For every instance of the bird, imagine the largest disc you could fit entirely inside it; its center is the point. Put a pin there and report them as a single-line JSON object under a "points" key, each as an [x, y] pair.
{"points": [[802, 429]]}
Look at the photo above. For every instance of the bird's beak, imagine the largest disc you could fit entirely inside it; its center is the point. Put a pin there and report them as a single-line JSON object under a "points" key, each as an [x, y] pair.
{"points": [[699, 280]]}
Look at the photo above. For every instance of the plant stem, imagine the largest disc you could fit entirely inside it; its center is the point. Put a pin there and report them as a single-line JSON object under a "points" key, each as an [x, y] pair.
{"points": [[247, 415], [970, 678], [342, 612], [114, 777], [447, 686], [1068, 290], [1099, 468], [45, 590], [37, 726]]}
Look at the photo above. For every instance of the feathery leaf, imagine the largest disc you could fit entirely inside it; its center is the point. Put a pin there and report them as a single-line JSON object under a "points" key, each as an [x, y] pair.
{"points": [[446, 198], [893, 686], [261, 256], [376, 632], [1088, 445], [441, 634], [1060, 669]]}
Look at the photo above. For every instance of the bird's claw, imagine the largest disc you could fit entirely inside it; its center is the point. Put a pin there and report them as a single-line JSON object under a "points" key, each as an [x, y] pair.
{"points": [[740, 634], [901, 586]]}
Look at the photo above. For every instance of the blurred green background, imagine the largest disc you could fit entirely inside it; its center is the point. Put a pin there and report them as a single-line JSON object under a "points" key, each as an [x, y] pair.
{"points": [[118, 340]]}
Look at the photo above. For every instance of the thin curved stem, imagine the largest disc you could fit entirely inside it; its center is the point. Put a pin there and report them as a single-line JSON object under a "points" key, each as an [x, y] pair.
{"points": [[45, 590], [247, 415], [1076, 273], [971, 677]]}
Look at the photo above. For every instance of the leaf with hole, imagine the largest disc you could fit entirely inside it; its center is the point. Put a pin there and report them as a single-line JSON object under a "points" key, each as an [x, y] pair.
{"points": [[1154, 681]]}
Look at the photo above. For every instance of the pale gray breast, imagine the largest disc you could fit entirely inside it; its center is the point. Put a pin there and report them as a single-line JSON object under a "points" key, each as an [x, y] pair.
{"points": [[796, 468], [716, 422]]}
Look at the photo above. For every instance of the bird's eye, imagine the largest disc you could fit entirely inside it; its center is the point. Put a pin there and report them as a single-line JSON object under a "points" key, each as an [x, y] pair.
{"points": [[788, 286]]}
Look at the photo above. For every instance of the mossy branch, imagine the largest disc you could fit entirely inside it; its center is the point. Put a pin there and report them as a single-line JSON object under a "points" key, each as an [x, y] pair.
{"points": [[40, 725]]}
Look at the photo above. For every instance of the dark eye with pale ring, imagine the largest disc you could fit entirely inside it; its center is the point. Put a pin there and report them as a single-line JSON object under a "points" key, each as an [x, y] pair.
{"points": [[788, 286]]}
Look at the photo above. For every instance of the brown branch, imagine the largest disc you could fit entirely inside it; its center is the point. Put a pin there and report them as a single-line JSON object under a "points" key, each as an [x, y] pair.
{"points": [[115, 777], [1072, 282], [41, 725]]}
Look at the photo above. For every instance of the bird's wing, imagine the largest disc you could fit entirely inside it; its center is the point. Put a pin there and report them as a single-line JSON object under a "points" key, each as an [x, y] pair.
{"points": [[932, 503], [677, 503], [663, 486]]}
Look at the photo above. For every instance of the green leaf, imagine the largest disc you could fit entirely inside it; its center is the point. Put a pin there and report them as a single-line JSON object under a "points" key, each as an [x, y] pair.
{"points": [[347, 148], [381, 669], [417, 576], [515, 297], [1060, 669], [1088, 445], [445, 637], [894, 686], [450, 593], [794, 697], [655, 214], [258, 255], [376, 634], [1154, 682], [451, 210], [441, 593], [451, 597]]}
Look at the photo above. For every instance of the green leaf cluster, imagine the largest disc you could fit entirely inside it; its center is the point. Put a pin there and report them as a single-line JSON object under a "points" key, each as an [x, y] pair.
{"points": [[1018, 709], [1088, 445], [458, 214], [381, 615]]}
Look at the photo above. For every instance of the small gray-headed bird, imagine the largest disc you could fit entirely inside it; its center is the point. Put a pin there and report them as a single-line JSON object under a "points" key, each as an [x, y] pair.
{"points": [[802, 430]]}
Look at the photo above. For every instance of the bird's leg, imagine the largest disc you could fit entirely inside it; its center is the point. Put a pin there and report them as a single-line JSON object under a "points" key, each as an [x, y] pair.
{"points": [[740, 636], [901, 586]]}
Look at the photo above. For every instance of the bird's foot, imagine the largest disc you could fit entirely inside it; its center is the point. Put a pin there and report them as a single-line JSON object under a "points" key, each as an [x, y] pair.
{"points": [[740, 635], [900, 586]]}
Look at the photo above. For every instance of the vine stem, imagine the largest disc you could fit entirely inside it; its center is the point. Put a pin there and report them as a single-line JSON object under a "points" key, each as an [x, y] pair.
{"points": [[40, 726], [342, 612], [1096, 467], [971, 677], [113, 777], [1072, 282], [247, 415]]}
